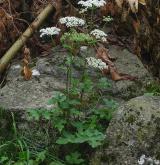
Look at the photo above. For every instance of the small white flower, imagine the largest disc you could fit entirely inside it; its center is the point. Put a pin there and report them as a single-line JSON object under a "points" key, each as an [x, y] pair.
{"points": [[96, 63], [16, 66], [91, 3], [148, 160], [99, 35], [141, 161], [50, 31], [82, 11], [83, 48], [143, 157], [107, 19], [72, 21], [35, 72], [156, 162]]}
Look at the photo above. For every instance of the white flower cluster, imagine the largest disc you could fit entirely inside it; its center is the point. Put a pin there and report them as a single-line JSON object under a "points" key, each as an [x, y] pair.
{"points": [[96, 63], [92, 3], [35, 72], [99, 34], [50, 31], [147, 160], [72, 21], [83, 48], [107, 19]]}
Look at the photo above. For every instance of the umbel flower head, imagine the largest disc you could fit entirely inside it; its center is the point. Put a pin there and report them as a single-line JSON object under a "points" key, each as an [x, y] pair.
{"points": [[107, 19], [148, 160], [92, 3], [96, 63], [99, 35], [72, 21], [50, 31]]}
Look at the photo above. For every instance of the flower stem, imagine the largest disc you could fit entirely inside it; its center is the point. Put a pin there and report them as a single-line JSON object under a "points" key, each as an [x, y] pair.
{"points": [[53, 42], [69, 75], [83, 79]]}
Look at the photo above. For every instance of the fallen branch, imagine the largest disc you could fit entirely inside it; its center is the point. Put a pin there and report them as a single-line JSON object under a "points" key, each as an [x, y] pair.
{"points": [[11, 53]]}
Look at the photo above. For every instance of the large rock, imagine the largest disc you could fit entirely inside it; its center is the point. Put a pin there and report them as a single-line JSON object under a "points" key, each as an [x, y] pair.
{"points": [[134, 131], [129, 63], [19, 94]]}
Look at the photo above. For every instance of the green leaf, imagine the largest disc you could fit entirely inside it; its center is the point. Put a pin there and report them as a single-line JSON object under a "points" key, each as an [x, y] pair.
{"points": [[20, 163], [32, 162], [74, 102], [23, 155], [109, 103], [79, 125], [3, 159], [59, 124], [47, 114], [69, 59], [92, 136], [76, 112], [104, 113], [67, 138], [62, 140], [52, 101], [103, 83], [41, 156], [34, 114], [87, 85], [149, 94], [64, 104], [58, 97], [74, 158], [56, 163]]}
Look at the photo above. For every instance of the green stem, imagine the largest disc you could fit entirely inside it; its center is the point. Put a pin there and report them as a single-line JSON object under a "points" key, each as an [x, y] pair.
{"points": [[53, 42], [83, 79], [92, 15], [69, 75], [67, 84]]}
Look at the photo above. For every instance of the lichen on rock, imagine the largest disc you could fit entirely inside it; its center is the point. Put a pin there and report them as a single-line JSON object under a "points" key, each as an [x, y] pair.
{"points": [[134, 131]]}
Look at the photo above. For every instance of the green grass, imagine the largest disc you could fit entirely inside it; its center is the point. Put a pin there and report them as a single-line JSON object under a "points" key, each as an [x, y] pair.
{"points": [[153, 89]]}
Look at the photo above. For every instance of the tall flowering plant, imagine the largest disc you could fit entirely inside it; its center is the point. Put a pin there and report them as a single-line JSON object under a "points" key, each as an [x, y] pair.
{"points": [[73, 39], [77, 114]]}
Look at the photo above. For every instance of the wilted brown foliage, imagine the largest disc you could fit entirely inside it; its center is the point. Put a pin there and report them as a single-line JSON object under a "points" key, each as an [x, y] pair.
{"points": [[15, 17], [141, 20]]}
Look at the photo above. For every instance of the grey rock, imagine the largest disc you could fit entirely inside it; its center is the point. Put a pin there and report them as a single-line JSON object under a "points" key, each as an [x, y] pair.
{"points": [[134, 131], [21, 94], [129, 63], [126, 63]]}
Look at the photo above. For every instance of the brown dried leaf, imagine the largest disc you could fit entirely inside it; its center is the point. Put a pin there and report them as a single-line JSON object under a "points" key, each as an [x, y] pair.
{"points": [[136, 25], [106, 71], [143, 2], [114, 74], [119, 3], [134, 5], [27, 73], [58, 6], [103, 54], [109, 8]]}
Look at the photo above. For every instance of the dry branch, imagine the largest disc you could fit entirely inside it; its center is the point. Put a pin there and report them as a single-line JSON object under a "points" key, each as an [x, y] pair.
{"points": [[11, 53]]}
